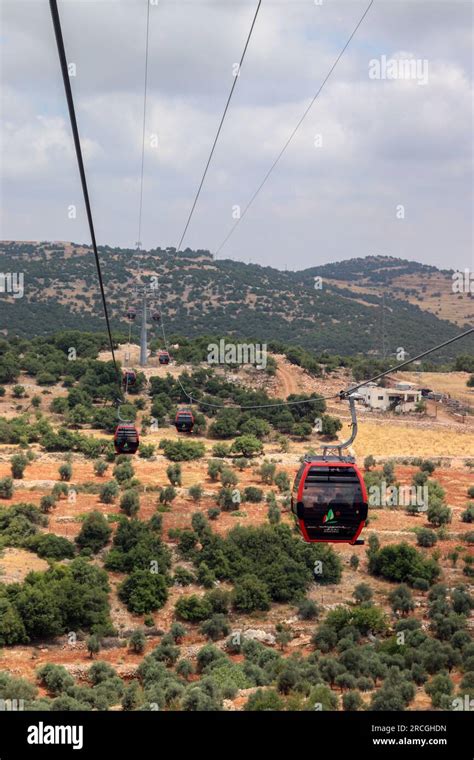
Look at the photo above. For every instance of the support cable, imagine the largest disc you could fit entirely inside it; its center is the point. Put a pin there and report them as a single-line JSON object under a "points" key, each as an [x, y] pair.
{"points": [[77, 144], [295, 130]]}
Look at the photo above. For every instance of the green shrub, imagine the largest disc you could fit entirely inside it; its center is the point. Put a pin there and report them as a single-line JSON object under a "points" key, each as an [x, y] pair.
{"points": [[65, 472], [143, 591], [183, 577], [47, 503], [18, 464], [55, 678], [308, 610], [274, 515], [401, 600], [123, 471], [193, 608], [428, 466], [402, 563], [228, 499], [352, 700], [253, 494], [216, 627], [214, 469], [62, 599], [109, 492], [282, 481], [174, 474], [247, 445], [241, 463], [440, 685], [167, 495], [369, 462], [130, 502], [364, 618], [426, 537], [273, 554], [181, 451], [438, 514], [196, 492], [467, 516], [220, 450], [301, 430], [256, 427], [206, 576], [250, 594], [146, 450], [6, 488], [228, 477], [95, 532], [267, 472], [100, 467], [50, 546], [264, 700], [99, 672]]}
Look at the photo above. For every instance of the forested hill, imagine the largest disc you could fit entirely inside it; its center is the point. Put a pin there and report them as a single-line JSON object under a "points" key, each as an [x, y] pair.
{"points": [[374, 270], [203, 295]]}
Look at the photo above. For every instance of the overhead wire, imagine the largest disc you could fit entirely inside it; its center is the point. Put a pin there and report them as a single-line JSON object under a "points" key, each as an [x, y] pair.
{"points": [[145, 92], [189, 396], [142, 169], [293, 133], [203, 177], [342, 394], [408, 361], [216, 138], [70, 101], [77, 144]]}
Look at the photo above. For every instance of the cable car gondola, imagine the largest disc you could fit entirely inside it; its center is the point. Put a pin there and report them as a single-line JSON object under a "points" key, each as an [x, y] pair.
{"points": [[131, 313], [156, 316], [129, 378], [164, 357], [329, 499], [184, 421], [126, 439]]}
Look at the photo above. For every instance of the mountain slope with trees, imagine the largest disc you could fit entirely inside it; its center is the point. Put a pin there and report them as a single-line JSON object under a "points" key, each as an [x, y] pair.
{"points": [[199, 294]]}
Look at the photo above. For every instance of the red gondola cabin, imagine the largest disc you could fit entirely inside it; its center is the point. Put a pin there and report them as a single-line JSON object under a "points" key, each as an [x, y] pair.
{"points": [[329, 500], [126, 439], [184, 421], [163, 357]]}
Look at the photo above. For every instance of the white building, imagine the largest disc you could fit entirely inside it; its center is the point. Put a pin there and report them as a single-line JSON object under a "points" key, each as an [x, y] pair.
{"points": [[402, 398]]}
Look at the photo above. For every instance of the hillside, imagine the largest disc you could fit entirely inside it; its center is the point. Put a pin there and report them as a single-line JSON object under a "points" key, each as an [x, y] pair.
{"points": [[236, 617], [202, 295], [418, 284]]}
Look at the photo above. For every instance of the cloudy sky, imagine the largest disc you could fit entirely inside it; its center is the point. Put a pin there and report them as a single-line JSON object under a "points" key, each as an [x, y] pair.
{"points": [[383, 143]]}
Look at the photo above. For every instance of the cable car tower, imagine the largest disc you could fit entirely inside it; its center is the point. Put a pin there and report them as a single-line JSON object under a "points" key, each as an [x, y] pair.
{"points": [[143, 334], [141, 296]]}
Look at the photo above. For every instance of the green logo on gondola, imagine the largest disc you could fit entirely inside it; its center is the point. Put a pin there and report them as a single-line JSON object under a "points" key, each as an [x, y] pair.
{"points": [[329, 517]]}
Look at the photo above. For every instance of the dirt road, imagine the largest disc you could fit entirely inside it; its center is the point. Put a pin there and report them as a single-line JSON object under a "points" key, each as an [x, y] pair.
{"points": [[287, 380]]}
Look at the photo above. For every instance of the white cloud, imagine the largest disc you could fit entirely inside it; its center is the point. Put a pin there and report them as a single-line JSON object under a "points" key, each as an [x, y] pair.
{"points": [[384, 142]]}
